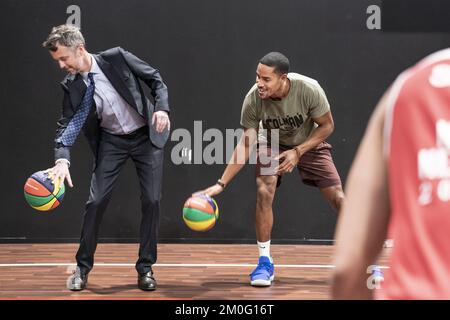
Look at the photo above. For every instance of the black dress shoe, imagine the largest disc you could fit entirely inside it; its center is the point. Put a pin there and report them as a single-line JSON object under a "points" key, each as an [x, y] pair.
{"points": [[77, 281], [146, 281]]}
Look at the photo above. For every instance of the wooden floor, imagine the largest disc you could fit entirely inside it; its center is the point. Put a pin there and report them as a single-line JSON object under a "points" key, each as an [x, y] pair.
{"points": [[183, 271]]}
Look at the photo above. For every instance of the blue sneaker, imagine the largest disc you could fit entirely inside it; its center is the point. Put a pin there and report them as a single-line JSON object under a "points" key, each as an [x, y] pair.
{"points": [[262, 276]]}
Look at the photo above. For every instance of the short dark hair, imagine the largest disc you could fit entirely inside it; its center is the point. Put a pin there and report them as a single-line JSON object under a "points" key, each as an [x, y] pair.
{"points": [[277, 60]]}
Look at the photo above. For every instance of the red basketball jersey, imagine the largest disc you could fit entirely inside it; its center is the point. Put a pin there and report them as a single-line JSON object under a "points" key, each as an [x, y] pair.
{"points": [[417, 149]]}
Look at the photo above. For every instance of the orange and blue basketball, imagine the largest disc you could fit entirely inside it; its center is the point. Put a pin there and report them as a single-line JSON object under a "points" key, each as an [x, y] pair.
{"points": [[200, 213], [41, 194]]}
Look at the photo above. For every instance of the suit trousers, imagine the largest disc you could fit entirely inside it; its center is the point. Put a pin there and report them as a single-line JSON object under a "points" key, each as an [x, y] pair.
{"points": [[113, 152]]}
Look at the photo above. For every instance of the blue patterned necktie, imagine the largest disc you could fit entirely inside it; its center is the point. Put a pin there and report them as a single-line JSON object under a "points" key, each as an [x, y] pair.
{"points": [[76, 123]]}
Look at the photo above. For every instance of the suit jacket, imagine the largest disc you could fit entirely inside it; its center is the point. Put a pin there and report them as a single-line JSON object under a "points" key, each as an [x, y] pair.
{"points": [[124, 71]]}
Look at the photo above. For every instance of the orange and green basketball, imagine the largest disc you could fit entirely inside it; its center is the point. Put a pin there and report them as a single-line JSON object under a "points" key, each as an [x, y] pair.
{"points": [[200, 213], [41, 194]]}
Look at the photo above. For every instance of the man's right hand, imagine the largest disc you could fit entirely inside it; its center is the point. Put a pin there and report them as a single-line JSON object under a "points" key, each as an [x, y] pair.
{"points": [[60, 172], [211, 191]]}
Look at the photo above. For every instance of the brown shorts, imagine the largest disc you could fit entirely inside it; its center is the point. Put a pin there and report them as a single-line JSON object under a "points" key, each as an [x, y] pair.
{"points": [[316, 167]]}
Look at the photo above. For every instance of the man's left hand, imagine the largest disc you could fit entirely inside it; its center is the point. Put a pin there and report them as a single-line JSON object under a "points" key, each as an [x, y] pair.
{"points": [[290, 160], [161, 121]]}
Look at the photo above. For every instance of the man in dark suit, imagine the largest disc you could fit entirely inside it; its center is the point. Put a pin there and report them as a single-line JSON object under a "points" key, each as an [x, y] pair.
{"points": [[103, 97]]}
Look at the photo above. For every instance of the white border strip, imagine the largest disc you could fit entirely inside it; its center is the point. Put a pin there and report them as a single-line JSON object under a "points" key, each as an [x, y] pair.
{"points": [[435, 57]]}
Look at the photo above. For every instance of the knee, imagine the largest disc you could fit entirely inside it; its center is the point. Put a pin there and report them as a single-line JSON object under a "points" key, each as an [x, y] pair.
{"points": [[96, 202], [151, 200], [264, 196]]}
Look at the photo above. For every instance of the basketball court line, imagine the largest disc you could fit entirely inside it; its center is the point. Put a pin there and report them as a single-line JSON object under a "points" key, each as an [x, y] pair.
{"points": [[193, 265]]}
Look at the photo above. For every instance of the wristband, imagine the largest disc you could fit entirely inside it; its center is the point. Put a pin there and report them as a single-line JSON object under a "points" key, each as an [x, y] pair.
{"points": [[220, 183]]}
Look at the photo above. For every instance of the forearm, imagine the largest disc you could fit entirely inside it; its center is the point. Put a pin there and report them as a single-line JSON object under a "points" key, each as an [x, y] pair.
{"points": [[364, 217], [237, 162], [240, 155], [317, 136], [61, 151]]}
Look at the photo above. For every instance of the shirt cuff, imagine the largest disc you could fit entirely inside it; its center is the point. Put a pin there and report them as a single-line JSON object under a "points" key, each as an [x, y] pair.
{"points": [[63, 160]]}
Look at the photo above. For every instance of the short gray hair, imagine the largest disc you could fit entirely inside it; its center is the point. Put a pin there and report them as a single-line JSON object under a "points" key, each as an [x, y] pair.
{"points": [[66, 35]]}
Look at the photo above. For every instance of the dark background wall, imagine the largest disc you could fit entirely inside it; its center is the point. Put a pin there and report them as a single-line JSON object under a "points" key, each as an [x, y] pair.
{"points": [[207, 52]]}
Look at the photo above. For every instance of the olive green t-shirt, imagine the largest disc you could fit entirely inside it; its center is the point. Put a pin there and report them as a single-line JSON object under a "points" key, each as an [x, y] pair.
{"points": [[292, 115]]}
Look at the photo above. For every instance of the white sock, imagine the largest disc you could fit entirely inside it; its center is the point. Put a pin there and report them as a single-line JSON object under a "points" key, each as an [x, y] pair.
{"points": [[264, 249]]}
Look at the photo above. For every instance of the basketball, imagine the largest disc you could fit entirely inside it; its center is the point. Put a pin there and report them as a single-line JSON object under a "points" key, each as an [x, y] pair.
{"points": [[200, 213], [41, 194]]}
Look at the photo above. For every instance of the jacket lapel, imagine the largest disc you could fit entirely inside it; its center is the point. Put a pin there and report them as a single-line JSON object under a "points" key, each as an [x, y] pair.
{"points": [[77, 88], [116, 81]]}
